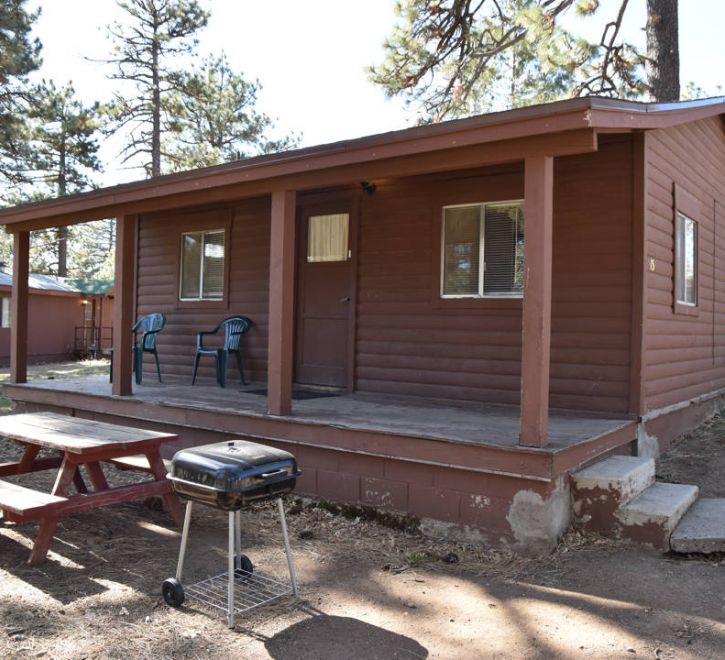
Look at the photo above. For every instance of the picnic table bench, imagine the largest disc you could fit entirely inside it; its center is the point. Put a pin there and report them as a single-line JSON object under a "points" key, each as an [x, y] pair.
{"points": [[78, 442]]}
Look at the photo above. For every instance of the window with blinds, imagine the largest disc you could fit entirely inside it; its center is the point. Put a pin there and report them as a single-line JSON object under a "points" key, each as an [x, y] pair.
{"points": [[202, 265], [686, 260], [483, 250]]}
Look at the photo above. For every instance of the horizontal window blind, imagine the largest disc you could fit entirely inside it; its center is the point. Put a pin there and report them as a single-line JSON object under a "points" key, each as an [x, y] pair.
{"points": [[213, 266], [503, 249]]}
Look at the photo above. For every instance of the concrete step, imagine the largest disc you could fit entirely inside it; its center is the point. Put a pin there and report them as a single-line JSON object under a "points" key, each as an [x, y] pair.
{"points": [[702, 529], [599, 490], [651, 517]]}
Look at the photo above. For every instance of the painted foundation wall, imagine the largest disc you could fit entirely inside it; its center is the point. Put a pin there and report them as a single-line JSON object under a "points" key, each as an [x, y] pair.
{"points": [[408, 340], [527, 514]]}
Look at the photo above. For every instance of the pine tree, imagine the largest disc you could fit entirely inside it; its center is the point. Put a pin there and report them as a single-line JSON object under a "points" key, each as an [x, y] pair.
{"points": [[215, 118], [457, 57], [158, 32], [63, 147], [19, 55]]}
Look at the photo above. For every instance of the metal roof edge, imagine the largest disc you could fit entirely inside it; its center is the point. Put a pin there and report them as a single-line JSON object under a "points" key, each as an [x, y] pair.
{"points": [[583, 111]]}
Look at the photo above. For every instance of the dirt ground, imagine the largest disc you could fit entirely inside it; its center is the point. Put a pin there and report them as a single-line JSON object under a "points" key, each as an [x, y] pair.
{"points": [[367, 591]]}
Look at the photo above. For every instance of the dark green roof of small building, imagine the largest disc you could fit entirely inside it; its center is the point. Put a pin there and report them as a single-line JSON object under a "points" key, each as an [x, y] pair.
{"points": [[91, 287]]}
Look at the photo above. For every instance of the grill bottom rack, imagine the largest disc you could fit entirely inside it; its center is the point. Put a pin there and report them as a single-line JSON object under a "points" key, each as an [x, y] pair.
{"points": [[250, 591], [239, 589]]}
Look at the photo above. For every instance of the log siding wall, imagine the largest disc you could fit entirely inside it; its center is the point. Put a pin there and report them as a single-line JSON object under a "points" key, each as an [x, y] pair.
{"points": [[248, 285], [411, 342], [685, 354], [408, 340]]}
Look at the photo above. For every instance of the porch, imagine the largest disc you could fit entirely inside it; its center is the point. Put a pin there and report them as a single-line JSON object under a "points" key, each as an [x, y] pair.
{"points": [[483, 438]]}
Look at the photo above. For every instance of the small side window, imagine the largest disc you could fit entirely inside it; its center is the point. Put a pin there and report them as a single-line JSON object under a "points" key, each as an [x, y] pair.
{"points": [[202, 265], [686, 258], [5, 314]]}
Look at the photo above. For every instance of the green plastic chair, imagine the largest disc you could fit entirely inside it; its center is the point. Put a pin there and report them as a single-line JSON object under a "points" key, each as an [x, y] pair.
{"points": [[149, 326], [234, 327]]}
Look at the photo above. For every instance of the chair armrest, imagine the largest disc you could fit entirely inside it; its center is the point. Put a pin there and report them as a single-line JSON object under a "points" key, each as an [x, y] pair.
{"points": [[199, 335]]}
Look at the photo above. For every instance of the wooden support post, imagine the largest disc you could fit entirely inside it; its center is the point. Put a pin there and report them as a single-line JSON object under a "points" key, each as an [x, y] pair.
{"points": [[123, 312], [281, 303], [19, 307], [536, 331]]}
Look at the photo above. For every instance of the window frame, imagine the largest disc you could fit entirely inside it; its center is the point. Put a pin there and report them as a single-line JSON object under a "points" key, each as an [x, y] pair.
{"points": [[6, 312], [481, 295], [688, 206], [681, 221], [201, 221], [201, 297]]}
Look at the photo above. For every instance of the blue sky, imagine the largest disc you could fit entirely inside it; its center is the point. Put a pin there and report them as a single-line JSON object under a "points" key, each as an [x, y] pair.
{"points": [[311, 56]]}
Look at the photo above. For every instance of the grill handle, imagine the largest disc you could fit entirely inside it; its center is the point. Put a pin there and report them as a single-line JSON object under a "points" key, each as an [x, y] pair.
{"points": [[267, 475]]}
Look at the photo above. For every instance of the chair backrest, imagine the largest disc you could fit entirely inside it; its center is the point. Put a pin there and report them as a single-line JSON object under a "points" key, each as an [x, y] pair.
{"points": [[150, 324], [234, 328]]}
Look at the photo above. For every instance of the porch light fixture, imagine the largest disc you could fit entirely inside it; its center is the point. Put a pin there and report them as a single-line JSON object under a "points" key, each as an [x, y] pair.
{"points": [[368, 187]]}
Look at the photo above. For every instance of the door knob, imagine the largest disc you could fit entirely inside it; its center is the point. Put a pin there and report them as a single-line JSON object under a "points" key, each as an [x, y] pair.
{"points": [[345, 299]]}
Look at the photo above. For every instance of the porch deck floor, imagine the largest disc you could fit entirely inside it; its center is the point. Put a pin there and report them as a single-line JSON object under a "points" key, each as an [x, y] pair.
{"points": [[465, 422]]}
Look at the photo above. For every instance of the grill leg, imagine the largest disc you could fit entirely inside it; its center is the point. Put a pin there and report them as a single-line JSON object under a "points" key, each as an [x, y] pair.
{"points": [[287, 549], [184, 539], [238, 538], [232, 557]]}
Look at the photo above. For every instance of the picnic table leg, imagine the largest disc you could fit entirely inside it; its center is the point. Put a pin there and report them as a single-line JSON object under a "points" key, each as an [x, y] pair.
{"points": [[78, 481], [26, 462], [95, 474], [66, 474], [42, 542], [173, 505]]}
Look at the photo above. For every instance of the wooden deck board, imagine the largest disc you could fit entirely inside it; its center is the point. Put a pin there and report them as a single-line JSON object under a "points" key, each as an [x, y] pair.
{"points": [[460, 422]]}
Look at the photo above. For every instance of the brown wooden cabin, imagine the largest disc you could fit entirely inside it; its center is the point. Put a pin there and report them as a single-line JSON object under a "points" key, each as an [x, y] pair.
{"points": [[403, 347], [55, 310]]}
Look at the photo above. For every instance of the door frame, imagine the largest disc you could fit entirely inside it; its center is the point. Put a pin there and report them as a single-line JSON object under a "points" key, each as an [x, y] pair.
{"points": [[347, 201]]}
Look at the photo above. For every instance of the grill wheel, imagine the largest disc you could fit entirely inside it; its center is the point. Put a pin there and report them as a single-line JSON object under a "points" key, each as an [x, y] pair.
{"points": [[173, 592], [245, 567]]}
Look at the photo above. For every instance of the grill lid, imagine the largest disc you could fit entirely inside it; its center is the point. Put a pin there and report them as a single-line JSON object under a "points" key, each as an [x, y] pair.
{"points": [[234, 466]]}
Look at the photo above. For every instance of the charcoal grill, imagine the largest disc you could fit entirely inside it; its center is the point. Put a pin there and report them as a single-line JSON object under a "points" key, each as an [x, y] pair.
{"points": [[230, 476]]}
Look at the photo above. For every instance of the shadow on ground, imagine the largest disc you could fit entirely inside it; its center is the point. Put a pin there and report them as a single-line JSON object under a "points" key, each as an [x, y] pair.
{"points": [[344, 638]]}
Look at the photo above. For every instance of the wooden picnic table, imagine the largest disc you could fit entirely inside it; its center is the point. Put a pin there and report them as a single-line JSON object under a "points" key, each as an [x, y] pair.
{"points": [[78, 442]]}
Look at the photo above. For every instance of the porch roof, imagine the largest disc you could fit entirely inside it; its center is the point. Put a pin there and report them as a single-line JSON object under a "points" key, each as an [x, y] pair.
{"points": [[578, 119]]}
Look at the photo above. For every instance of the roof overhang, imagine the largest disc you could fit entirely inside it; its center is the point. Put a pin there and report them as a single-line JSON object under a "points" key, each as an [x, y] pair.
{"points": [[555, 129]]}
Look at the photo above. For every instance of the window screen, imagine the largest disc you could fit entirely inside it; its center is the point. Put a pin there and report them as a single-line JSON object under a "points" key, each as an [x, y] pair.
{"points": [[202, 265], [462, 250], [327, 237], [686, 260], [483, 250]]}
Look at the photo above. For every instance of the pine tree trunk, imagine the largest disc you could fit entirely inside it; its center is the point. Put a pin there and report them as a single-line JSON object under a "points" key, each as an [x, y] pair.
{"points": [[156, 112], [62, 251], [62, 231], [663, 52]]}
